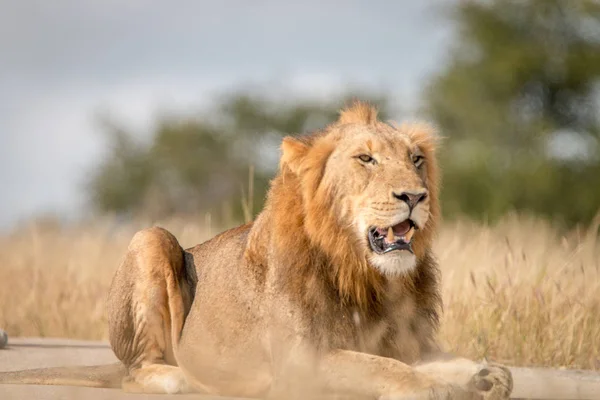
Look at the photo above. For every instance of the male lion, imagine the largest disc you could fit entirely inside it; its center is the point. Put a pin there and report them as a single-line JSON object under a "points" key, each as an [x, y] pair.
{"points": [[335, 275]]}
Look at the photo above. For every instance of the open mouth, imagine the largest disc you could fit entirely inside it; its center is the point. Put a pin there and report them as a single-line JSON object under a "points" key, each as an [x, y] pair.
{"points": [[396, 237]]}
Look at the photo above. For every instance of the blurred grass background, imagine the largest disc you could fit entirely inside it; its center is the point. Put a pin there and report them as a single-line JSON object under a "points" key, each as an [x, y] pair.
{"points": [[518, 104]]}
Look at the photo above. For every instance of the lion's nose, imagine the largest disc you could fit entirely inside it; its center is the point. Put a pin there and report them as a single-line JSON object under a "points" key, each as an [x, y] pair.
{"points": [[412, 199]]}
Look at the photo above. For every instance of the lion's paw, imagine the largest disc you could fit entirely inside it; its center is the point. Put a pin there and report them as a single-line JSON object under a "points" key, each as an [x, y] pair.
{"points": [[492, 382]]}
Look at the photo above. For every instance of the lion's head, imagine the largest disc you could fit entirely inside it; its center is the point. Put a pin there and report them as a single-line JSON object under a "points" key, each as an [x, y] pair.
{"points": [[369, 195]]}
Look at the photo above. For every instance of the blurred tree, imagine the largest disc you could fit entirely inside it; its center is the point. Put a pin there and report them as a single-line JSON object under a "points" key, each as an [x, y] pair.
{"points": [[200, 164], [519, 104]]}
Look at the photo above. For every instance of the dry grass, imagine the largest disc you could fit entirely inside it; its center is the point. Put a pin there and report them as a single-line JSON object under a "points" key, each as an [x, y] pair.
{"points": [[520, 293], [516, 292]]}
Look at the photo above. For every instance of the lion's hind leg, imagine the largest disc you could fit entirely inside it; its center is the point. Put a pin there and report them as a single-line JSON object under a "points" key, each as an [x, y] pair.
{"points": [[147, 304]]}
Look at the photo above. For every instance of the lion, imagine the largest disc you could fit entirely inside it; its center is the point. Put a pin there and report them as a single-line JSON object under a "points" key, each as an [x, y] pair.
{"points": [[335, 282]]}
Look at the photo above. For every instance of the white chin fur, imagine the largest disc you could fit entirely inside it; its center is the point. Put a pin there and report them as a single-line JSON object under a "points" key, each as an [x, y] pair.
{"points": [[394, 263]]}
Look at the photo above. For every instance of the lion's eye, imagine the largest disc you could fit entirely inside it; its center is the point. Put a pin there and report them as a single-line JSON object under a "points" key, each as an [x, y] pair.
{"points": [[418, 160], [366, 158]]}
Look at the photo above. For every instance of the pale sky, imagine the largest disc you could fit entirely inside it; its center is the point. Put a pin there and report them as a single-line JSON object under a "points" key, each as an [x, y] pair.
{"points": [[62, 62]]}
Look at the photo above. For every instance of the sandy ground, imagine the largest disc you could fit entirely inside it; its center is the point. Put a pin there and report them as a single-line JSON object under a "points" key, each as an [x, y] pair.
{"points": [[25, 353]]}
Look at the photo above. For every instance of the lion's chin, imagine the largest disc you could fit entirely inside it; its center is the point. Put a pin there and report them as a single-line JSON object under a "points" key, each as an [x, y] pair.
{"points": [[394, 263]]}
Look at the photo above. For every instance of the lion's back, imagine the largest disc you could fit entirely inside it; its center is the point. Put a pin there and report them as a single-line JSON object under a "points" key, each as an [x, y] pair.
{"points": [[220, 256]]}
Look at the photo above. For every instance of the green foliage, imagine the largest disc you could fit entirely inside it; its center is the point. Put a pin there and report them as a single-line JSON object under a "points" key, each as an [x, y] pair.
{"points": [[518, 102]]}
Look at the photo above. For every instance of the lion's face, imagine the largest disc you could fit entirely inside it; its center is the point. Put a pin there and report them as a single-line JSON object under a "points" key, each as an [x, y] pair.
{"points": [[380, 175], [377, 182]]}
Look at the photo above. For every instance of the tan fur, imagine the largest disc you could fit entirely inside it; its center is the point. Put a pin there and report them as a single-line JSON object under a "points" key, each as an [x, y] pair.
{"points": [[359, 113], [299, 295]]}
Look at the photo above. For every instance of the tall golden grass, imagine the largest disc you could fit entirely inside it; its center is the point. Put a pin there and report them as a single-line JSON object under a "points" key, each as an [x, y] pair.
{"points": [[517, 291]]}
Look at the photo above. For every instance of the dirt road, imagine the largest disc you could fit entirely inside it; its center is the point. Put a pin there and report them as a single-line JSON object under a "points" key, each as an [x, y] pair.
{"points": [[28, 353], [38, 353]]}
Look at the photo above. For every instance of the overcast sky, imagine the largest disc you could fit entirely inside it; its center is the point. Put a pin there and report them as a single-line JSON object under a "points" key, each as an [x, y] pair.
{"points": [[62, 62]]}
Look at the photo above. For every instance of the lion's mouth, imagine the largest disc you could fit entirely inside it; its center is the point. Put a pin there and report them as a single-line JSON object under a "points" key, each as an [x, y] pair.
{"points": [[395, 237]]}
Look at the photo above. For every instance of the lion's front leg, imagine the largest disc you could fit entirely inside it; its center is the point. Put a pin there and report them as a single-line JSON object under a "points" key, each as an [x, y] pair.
{"points": [[490, 381], [362, 374]]}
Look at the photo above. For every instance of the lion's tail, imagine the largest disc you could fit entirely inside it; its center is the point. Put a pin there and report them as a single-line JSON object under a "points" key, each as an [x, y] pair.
{"points": [[101, 376]]}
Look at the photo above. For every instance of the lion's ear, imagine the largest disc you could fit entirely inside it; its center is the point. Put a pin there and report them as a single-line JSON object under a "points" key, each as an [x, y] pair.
{"points": [[293, 152]]}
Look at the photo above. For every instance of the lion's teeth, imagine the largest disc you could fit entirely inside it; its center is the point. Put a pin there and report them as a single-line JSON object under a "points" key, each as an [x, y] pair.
{"points": [[408, 236], [390, 235]]}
